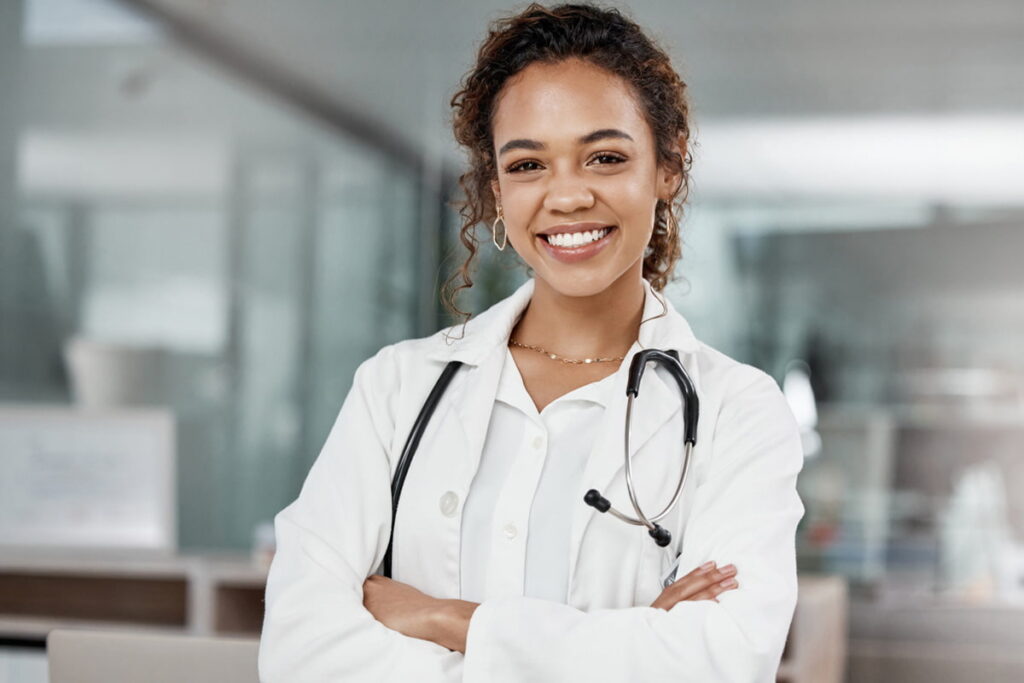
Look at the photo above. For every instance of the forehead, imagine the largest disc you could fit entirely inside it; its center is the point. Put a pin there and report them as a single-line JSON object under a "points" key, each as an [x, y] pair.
{"points": [[560, 102]]}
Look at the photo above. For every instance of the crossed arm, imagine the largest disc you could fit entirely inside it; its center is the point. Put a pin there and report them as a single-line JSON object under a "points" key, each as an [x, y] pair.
{"points": [[413, 613]]}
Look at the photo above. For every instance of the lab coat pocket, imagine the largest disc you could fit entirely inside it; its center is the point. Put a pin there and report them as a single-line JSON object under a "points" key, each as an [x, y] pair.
{"points": [[657, 569]]}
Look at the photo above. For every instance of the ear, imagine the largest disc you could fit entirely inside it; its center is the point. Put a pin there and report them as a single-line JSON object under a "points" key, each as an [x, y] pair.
{"points": [[496, 191], [669, 182]]}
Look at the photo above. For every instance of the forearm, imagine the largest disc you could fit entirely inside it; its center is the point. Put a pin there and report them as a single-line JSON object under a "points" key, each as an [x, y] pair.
{"points": [[452, 624], [693, 642], [412, 613]]}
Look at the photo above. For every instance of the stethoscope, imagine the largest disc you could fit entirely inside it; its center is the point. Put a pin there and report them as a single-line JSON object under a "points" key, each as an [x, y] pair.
{"points": [[668, 359]]}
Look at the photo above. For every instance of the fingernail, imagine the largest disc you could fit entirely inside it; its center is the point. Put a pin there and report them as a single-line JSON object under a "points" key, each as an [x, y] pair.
{"points": [[728, 569], [706, 567], [729, 583]]}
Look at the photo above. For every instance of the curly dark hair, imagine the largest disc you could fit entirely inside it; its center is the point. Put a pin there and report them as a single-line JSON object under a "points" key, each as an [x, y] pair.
{"points": [[607, 39]]}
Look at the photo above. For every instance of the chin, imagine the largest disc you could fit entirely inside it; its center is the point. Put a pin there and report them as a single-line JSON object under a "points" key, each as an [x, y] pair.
{"points": [[581, 284]]}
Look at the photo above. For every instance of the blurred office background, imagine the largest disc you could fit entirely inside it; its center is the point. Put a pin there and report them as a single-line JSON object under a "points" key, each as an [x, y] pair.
{"points": [[213, 210]]}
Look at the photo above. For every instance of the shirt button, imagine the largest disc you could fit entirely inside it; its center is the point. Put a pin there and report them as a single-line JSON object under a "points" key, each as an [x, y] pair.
{"points": [[449, 504], [538, 442], [510, 531]]}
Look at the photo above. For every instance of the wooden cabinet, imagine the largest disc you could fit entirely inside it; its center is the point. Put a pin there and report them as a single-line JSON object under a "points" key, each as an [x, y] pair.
{"points": [[198, 595]]}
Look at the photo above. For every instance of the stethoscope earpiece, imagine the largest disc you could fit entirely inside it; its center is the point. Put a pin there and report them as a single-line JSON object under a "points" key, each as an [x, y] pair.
{"points": [[661, 535], [595, 500]]}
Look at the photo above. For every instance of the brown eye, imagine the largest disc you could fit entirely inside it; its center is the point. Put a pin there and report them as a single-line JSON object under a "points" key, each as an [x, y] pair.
{"points": [[615, 158], [515, 168]]}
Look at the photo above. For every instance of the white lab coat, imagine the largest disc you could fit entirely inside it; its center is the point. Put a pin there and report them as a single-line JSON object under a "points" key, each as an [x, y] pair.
{"points": [[739, 505]]}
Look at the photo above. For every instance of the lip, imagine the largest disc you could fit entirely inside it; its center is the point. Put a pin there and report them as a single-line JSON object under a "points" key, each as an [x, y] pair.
{"points": [[581, 253]]}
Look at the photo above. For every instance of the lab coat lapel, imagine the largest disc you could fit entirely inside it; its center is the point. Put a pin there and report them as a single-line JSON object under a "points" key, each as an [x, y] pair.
{"points": [[474, 403], [481, 346]]}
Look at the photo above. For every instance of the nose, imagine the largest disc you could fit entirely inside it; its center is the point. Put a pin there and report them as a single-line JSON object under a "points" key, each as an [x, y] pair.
{"points": [[566, 193]]}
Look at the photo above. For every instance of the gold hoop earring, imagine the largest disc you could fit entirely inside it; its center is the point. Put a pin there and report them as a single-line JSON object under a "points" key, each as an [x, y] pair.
{"points": [[504, 232], [670, 223]]}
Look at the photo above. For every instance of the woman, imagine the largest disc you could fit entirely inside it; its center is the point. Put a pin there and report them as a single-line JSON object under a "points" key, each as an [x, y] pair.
{"points": [[577, 129]]}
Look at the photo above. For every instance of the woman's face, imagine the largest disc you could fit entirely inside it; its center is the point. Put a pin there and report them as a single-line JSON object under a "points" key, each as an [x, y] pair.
{"points": [[572, 149]]}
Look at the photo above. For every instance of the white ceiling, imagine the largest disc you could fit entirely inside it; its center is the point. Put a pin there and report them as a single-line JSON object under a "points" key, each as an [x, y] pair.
{"points": [[790, 97], [397, 63]]}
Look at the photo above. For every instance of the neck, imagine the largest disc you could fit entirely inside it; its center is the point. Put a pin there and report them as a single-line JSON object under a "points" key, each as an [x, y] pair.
{"points": [[603, 324]]}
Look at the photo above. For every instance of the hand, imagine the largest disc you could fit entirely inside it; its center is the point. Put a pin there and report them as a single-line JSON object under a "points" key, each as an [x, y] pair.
{"points": [[706, 582], [401, 607]]}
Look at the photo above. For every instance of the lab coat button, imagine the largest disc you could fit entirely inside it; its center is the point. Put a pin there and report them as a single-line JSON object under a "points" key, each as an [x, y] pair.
{"points": [[538, 442], [449, 504], [511, 531]]}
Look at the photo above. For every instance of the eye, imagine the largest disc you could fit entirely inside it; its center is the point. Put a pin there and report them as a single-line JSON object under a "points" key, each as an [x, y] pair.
{"points": [[615, 158], [515, 168]]}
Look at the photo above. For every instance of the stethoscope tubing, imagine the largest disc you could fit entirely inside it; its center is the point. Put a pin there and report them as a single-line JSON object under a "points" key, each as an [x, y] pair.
{"points": [[691, 411], [641, 519]]}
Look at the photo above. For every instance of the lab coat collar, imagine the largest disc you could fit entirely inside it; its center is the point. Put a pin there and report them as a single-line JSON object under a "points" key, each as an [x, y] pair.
{"points": [[662, 327]]}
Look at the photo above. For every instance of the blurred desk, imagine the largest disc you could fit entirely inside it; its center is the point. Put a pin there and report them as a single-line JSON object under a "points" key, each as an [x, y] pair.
{"points": [[907, 642], [215, 594]]}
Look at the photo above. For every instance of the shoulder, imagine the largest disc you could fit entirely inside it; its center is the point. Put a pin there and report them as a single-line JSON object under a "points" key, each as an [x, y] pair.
{"points": [[399, 366], [393, 383], [723, 379], [746, 404], [402, 373], [424, 357], [406, 359], [736, 379]]}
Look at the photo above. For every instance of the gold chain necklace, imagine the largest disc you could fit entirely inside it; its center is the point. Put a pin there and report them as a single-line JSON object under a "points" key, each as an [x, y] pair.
{"points": [[555, 356]]}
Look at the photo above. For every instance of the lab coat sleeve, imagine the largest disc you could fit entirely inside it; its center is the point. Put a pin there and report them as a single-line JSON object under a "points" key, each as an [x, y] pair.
{"points": [[328, 541], [745, 512]]}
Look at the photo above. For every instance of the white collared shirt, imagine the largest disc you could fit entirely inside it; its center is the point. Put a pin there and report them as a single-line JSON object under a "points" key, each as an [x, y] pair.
{"points": [[517, 516]]}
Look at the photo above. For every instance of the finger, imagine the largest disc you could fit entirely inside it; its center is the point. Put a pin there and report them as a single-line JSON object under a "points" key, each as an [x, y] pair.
{"points": [[667, 602], [696, 577], [691, 585], [703, 569], [713, 592]]}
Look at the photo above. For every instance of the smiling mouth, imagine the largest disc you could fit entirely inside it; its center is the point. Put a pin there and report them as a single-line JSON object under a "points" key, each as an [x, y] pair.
{"points": [[573, 240], [579, 247]]}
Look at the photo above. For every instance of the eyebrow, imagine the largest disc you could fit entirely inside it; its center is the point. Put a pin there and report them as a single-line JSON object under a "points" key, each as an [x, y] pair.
{"points": [[602, 134]]}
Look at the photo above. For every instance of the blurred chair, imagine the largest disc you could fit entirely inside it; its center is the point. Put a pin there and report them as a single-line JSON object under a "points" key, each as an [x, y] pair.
{"points": [[77, 656], [104, 374]]}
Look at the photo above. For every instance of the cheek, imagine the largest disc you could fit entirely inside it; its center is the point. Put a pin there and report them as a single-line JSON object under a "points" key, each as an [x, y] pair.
{"points": [[635, 203], [630, 190], [521, 209]]}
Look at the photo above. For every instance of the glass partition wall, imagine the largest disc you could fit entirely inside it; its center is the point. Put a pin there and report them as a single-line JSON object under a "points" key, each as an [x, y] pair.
{"points": [[183, 240]]}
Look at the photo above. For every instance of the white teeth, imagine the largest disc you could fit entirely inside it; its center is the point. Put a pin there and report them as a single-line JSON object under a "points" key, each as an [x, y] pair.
{"points": [[576, 239]]}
